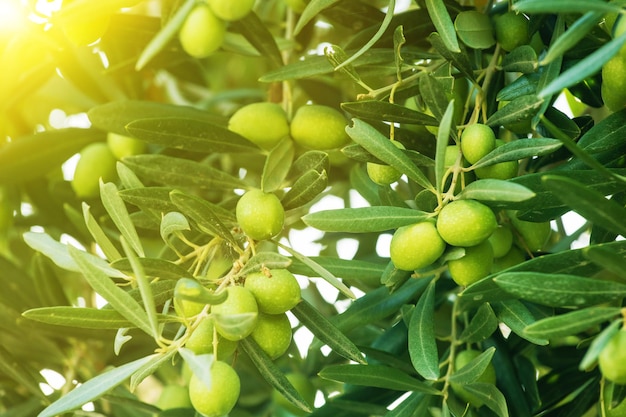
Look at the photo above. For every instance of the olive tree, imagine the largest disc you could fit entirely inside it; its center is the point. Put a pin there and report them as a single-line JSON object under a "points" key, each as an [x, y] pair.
{"points": [[313, 207]]}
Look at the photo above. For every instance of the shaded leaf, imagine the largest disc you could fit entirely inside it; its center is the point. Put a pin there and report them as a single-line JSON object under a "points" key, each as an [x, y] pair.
{"points": [[519, 149], [422, 342], [571, 323], [482, 325], [86, 318], [306, 188], [443, 23]]}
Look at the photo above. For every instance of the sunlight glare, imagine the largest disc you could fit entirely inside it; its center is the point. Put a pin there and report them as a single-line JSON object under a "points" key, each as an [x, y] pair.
{"points": [[12, 17]]}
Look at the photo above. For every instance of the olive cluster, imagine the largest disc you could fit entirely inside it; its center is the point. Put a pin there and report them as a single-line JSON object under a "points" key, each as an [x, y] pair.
{"points": [[255, 309], [204, 28], [313, 126], [490, 241], [98, 161]]}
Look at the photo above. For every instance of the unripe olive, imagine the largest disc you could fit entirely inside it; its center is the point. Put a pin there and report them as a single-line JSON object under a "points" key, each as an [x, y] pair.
{"points": [[534, 235], [501, 241], [123, 146], [513, 257], [465, 222], [613, 88], [220, 397], [305, 388], [298, 6], [264, 124], [416, 246], [612, 358], [477, 140], [260, 215], [384, 174], [319, 127], [473, 266], [188, 308], [488, 376], [231, 10], [202, 33], [96, 161], [512, 30], [239, 301], [500, 171], [275, 291], [201, 340], [273, 334], [174, 396]]}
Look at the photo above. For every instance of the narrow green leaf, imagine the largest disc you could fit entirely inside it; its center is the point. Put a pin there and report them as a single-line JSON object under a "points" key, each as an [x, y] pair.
{"points": [[109, 250], [191, 290], [265, 259], [59, 254], [519, 149], [273, 375], [380, 376], [257, 33], [521, 108], [571, 323], [443, 138], [163, 37], [382, 148], [94, 388], [171, 223], [391, 6], [200, 365], [34, 156], [574, 34], [482, 325], [118, 212], [422, 342], [119, 299], [201, 212], [515, 315], [559, 290], [184, 173], [572, 6], [327, 332], [313, 9], [443, 23], [521, 59], [144, 288], [361, 271], [85, 318], [607, 259], [389, 112], [149, 198], [598, 343], [151, 367], [459, 59], [128, 179], [154, 267], [586, 67], [496, 190], [323, 273], [363, 219], [306, 188], [589, 203], [473, 369], [490, 396], [277, 165], [190, 135]]}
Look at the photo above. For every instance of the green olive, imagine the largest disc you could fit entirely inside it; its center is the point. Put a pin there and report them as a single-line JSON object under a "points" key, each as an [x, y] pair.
{"points": [[174, 396], [201, 341], [512, 30], [488, 376], [240, 301], [231, 10], [477, 140], [473, 266], [264, 124], [613, 87], [416, 246], [273, 334], [276, 291], [319, 127], [612, 358], [123, 146], [202, 33], [514, 256], [220, 397], [96, 162], [501, 241], [260, 215], [384, 174], [533, 235], [465, 222]]}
